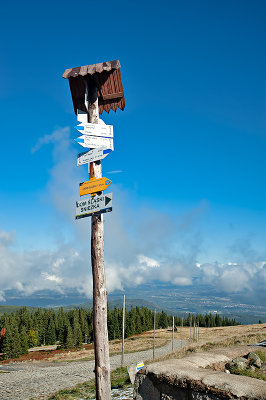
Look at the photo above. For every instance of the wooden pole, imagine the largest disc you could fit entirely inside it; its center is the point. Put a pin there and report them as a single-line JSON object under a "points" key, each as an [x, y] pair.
{"points": [[154, 326], [123, 330], [101, 345], [173, 333], [198, 331], [194, 332], [181, 332], [190, 323]]}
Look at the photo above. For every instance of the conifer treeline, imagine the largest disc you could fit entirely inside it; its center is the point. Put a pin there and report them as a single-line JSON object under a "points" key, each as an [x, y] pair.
{"points": [[25, 328]]}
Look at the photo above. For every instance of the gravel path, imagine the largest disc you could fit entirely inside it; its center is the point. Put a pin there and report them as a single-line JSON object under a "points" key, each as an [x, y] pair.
{"points": [[34, 380]]}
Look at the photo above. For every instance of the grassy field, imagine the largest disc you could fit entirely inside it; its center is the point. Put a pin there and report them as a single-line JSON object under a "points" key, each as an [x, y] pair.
{"points": [[119, 379], [209, 338]]}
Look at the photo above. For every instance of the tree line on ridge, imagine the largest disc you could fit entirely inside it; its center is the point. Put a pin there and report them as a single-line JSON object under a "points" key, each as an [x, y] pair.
{"points": [[26, 328]]}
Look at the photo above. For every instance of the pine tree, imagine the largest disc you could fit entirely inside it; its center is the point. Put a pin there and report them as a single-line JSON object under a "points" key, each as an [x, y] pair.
{"points": [[77, 335], [7, 344], [50, 337], [11, 345], [24, 341], [69, 337], [32, 338]]}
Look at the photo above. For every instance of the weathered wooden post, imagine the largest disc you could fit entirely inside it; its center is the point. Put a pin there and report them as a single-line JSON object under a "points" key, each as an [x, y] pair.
{"points": [[181, 331], [173, 333], [198, 331], [95, 88], [190, 327], [101, 343], [154, 327], [123, 330]]}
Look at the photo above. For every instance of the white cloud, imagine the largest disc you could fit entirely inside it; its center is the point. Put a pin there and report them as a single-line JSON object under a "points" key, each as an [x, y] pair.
{"points": [[2, 296], [141, 245], [52, 278], [182, 281], [59, 135], [147, 261], [65, 268], [58, 262]]}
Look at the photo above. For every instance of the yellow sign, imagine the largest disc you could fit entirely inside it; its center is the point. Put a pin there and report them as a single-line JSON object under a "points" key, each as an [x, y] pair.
{"points": [[94, 186]]}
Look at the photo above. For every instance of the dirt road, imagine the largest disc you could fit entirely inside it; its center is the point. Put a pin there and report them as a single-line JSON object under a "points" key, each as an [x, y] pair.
{"points": [[37, 380]]}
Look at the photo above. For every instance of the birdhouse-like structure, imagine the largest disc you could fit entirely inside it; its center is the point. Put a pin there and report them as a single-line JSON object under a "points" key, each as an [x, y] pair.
{"points": [[105, 76]]}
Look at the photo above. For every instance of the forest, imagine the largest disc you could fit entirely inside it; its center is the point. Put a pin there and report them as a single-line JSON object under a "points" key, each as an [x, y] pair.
{"points": [[29, 328]]}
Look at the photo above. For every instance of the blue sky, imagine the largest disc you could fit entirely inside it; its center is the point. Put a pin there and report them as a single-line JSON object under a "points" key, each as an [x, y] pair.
{"points": [[190, 143]]}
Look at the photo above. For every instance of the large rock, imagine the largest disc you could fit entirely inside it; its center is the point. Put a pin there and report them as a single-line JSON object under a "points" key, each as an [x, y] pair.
{"points": [[254, 360], [238, 362], [190, 378], [131, 369], [263, 366]]}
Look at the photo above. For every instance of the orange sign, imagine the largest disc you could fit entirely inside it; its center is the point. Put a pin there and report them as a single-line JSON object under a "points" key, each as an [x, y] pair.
{"points": [[94, 186]]}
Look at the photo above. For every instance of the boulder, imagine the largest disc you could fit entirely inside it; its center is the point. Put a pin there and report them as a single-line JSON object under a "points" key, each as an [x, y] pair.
{"points": [[263, 366], [131, 369], [254, 360], [240, 362]]}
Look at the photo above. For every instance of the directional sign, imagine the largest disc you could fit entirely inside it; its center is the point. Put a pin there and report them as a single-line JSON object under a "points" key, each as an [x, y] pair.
{"points": [[94, 186], [93, 155], [94, 142], [96, 130], [94, 205]]}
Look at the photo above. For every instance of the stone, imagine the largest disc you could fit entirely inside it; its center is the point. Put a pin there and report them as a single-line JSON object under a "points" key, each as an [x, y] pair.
{"points": [[238, 362], [131, 369], [263, 366], [229, 365], [254, 359], [227, 371]]}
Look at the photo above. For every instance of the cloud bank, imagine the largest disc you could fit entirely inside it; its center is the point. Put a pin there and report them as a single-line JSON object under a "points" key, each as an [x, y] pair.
{"points": [[141, 246], [66, 269]]}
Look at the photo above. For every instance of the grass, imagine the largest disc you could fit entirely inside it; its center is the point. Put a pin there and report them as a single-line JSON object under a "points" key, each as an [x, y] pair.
{"points": [[261, 355], [247, 372], [227, 342], [119, 379], [257, 374]]}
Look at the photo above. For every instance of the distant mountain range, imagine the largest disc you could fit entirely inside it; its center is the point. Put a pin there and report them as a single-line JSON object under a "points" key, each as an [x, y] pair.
{"points": [[112, 303], [174, 300]]}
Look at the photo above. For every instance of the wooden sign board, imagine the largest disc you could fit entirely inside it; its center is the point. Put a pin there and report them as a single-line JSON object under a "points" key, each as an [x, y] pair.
{"points": [[92, 155], [94, 186], [96, 130], [94, 142], [94, 205]]}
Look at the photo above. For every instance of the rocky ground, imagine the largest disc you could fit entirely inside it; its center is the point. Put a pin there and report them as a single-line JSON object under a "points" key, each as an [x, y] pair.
{"points": [[37, 380]]}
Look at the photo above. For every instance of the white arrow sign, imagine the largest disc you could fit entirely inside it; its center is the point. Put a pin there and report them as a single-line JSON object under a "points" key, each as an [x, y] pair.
{"points": [[94, 142], [93, 155], [96, 130], [93, 205]]}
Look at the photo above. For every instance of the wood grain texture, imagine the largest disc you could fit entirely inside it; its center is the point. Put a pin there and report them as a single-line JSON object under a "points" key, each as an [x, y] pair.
{"points": [[101, 344]]}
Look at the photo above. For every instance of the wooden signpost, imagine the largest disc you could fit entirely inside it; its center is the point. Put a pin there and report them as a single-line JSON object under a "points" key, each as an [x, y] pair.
{"points": [[86, 84]]}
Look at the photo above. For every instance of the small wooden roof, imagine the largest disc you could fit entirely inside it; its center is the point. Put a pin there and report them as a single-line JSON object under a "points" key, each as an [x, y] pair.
{"points": [[107, 78]]}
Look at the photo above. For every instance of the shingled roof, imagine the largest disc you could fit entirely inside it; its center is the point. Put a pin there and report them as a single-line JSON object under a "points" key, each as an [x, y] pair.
{"points": [[106, 76]]}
